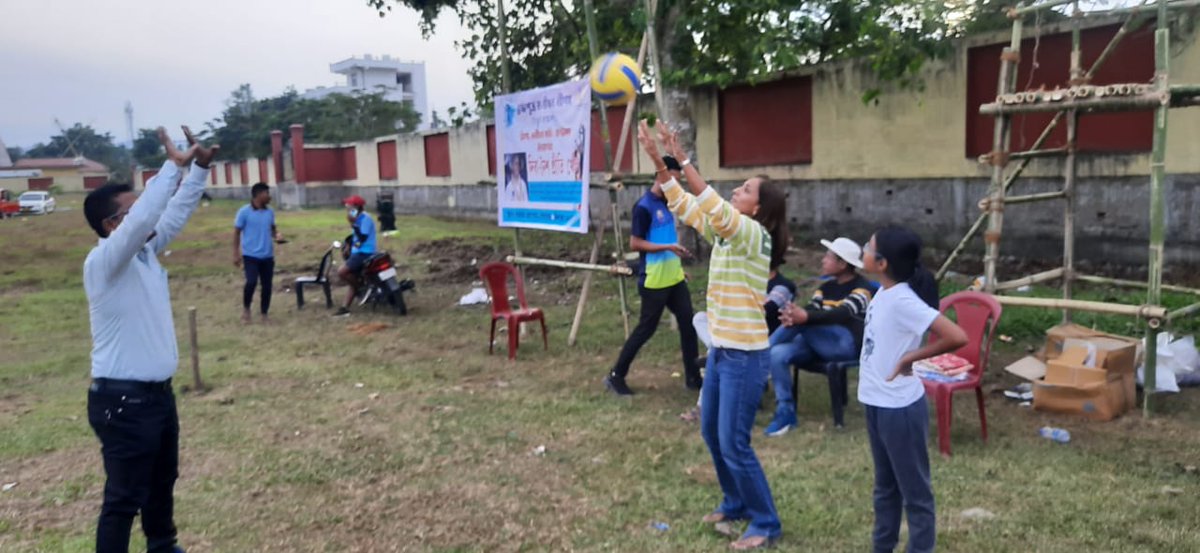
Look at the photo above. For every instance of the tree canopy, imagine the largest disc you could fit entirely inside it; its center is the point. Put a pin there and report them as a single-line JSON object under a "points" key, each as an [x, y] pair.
{"points": [[244, 127]]}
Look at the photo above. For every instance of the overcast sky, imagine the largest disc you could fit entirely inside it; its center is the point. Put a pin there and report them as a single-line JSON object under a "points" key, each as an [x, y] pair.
{"points": [[81, 60]]}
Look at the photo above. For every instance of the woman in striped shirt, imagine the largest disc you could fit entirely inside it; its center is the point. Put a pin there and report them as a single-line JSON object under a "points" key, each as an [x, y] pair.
{"points": [[748, 233]]}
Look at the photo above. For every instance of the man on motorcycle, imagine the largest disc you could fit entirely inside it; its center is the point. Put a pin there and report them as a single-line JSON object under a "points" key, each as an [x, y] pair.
{"points": [[362, 247]]}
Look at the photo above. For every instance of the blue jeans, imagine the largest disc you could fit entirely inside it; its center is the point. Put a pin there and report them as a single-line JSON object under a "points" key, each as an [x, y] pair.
{"points": [[902, 481], [732, 390], [801, 345]]}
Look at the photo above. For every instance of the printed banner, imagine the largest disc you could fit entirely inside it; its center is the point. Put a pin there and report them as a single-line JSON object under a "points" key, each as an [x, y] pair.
{"points": [[543, 138]]}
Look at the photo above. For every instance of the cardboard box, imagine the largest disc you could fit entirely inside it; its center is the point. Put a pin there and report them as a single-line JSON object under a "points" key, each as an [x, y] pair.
{"points": [[1029, 367], [1097, 401], [1114, 353]]}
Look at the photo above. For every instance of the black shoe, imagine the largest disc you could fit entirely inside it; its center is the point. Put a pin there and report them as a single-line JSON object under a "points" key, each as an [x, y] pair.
{"points": [[695, 382], [617, 386], [342, 312]]}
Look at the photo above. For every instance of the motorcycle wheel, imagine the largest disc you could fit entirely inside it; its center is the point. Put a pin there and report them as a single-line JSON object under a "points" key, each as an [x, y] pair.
{"points": [[396, 300]]}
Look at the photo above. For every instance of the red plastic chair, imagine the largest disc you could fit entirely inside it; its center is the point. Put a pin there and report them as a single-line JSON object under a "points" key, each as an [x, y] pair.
{"points": [[495, 276], [978, 314]]}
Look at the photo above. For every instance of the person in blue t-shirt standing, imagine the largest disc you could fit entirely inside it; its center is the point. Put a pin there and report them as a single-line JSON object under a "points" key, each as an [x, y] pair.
{"points": [[362, 247], [661, 284], [254, 234]]}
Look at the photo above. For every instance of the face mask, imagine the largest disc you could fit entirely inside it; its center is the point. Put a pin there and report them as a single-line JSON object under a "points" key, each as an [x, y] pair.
{"points": [[353, 212]]}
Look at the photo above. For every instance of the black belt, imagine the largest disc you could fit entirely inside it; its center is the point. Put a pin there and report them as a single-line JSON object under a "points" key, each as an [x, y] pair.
{"points": [[129, 386]]}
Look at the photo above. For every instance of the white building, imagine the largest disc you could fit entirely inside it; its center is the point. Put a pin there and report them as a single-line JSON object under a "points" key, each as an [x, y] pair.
{"points": [[401, 81]]}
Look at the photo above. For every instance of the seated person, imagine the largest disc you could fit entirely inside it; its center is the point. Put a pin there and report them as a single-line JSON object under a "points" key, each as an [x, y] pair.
{"points": [[362, 247], [829, 328]]}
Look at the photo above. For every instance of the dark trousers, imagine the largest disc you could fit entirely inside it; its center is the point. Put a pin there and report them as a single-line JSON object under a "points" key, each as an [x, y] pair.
{"points": [[679, 301], [139, 440], [898, 444], [258, 270]]}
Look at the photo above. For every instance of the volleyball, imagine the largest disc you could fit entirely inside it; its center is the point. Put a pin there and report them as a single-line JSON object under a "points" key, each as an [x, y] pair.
{"points": [[616, 78]]}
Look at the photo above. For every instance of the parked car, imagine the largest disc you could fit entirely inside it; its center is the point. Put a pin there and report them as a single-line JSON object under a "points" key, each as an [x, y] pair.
{"points": [[36, 201], [8, 206]]}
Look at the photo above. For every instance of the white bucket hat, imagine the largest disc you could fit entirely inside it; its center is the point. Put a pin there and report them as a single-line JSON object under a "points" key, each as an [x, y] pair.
{"points": [[847, 249]]}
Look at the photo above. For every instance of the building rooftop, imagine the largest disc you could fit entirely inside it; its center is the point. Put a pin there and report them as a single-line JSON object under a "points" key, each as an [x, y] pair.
{"points": [[367, 61], [81, 163]]}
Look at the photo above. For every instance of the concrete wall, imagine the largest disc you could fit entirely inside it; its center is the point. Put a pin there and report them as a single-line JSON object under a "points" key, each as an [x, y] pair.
{"points": [[67, 180]]}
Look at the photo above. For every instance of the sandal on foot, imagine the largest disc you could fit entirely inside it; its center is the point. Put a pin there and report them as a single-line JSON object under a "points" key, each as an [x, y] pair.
{"points": [[691, 415], [750, 543]]}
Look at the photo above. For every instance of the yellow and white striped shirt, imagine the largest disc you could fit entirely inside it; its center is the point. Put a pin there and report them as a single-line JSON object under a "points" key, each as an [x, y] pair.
{"points": [[739, 268]]}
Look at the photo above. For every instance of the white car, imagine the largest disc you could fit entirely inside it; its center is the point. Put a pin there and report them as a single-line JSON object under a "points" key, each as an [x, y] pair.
{"points": [[36, 202]]}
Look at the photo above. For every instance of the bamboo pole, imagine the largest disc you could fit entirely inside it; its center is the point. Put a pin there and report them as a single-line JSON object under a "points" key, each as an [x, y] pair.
{"points": [[587, 283], [615, 269], [616, 223], [1143, 311], [1183, 312], [1158, 173], [1134, 284], [1090, 104], [1000, 146], [1144, 8], [1030, 280], [1069, 172], [1028, 198], [194, 340], [1049, 152]]}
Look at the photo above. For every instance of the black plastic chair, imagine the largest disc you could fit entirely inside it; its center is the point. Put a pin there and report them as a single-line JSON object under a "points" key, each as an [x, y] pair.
{"points": [[839, 387], [321, 278]]}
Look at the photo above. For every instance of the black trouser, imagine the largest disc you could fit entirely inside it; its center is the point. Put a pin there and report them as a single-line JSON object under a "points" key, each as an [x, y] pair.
{"points": [[138, 428], [679, 301], [258, 270]]}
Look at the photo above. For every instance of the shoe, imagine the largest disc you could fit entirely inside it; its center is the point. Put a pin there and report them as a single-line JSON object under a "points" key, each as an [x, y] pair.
{"points": [[342, 312], [617, 386], [750, 543], [784, 420], [695, 382]]}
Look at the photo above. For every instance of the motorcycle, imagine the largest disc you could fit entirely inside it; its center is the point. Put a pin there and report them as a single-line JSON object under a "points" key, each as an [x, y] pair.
{"points": [[380, 282]]}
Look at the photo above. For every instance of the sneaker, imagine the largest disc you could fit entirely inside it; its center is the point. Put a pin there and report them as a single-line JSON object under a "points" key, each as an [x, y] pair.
{"points": [[784, 420], [342, 312], [617, 386]]}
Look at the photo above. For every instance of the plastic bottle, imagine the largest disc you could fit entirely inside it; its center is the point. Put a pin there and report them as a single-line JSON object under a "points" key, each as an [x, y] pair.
{"points": [[1060, 435]]}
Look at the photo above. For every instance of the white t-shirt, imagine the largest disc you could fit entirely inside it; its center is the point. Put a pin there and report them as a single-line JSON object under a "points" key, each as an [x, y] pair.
{"points": [[896, 322]]}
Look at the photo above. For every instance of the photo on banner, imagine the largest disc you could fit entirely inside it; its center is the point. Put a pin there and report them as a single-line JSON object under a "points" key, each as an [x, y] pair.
{"points": [[544, 140]]}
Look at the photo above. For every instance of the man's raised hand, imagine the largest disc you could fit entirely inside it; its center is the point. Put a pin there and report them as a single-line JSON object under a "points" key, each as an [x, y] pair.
{"points": [[204, 156], [180, 158]]}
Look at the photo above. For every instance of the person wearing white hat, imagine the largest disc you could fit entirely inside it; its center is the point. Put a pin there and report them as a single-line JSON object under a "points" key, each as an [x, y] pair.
{"points": [[829, 328]]}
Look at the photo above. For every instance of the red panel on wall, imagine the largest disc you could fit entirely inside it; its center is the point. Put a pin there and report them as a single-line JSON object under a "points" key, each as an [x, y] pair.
{"points": [[767, 124], [147, 175], [244, 172], [491, 149], [212, 177], [437, 155], [386, 152], [228, 174], [616, 119], [1131, 62], [41, 183], [92, 183], [349, 163], [263, 177]]}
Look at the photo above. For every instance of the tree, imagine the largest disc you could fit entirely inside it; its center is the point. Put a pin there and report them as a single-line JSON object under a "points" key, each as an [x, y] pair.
{"points": [[704, 43], [83, 140], [244, 128], [147, 150]]}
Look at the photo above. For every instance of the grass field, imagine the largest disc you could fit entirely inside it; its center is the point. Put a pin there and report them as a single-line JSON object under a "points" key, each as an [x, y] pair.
{"points": [[412, 438]]}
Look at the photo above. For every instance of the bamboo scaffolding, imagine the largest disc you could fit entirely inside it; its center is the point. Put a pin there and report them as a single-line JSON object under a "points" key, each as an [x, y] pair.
{"points": [[614, 269], [1089, 104], [1149, 312], [1134, 284], [1049, 152], [1000, 147], [1133, 20], [1018, 11], [1183, 312], [1030, 280]]}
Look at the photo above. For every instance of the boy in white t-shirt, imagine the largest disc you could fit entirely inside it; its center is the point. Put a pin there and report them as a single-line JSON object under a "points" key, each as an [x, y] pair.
{"points": [[902, 311]]}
